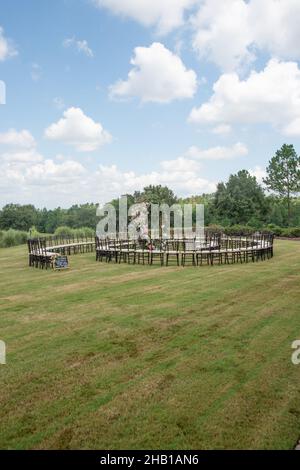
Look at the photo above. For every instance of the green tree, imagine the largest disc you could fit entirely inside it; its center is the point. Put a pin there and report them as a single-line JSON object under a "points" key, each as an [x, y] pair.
{"points": [[156, 195], [241, 200], [207, 200], [283, 174], [83, 215], [55, 218], [17, 217]]}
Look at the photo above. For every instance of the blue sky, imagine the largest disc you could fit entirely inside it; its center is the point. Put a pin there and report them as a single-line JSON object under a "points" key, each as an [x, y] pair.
{"points": [[77, 128]]}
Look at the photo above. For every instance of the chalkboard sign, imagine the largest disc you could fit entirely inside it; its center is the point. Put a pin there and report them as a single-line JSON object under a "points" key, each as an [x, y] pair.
{"points": [[61, 262]]}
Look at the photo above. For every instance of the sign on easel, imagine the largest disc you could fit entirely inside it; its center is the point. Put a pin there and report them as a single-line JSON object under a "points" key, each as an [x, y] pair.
{"points": [[61, 262]]}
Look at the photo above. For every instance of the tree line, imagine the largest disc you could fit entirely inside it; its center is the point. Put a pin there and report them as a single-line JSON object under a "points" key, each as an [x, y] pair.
{"points": [[240, 200]]}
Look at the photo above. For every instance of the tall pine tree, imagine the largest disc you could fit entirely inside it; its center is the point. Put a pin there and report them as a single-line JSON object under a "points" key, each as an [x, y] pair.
{"points": [[283, 174]]}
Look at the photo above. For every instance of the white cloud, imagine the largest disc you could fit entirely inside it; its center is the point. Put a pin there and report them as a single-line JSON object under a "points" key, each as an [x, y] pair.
{"points": [[24, 171], [271, 96], [45, 172], [164, 14], [230, 32], [276, 26], [293, 128], [80, 45], [222, 33], [183, 179], [14, 138], [259, 173], [22, 166], [26, 178], [54, 173], [21, 156], [78, 130], [181, 164], [7, 48], [218, 153], [71, 182], [18, 147], [158, 75]]}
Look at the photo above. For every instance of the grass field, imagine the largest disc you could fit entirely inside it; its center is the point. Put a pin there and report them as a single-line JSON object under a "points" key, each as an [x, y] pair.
{"points": [[117, 356]]}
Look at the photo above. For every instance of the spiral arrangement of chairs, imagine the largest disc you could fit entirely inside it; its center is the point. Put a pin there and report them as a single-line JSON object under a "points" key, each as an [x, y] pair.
{"points": [[213, 249]]}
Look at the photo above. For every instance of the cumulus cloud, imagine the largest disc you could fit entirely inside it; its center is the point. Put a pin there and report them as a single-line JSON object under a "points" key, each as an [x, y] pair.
{"points": [[259, 173], [45, 172], [78, 130], [230, 33], [18, 146], [24, 171], [275, 24], [13, 138], [222, 33], [165, 15], [53, 173], [80, 45], [21, 156], [71, 182], [184, 179], [7, 48], [22, 166], [181, 164], [218, 153], [157, 75], [271, 96]]}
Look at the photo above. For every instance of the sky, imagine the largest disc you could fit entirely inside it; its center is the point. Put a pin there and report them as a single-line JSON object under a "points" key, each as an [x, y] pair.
{"points": [[99, 98]]}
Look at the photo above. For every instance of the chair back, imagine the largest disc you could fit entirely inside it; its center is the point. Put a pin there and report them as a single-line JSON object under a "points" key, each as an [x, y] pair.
{"points": [[189, 245]]}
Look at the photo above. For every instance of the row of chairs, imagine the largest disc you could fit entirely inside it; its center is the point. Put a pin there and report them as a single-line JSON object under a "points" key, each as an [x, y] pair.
{"points": [[70, 245], [183, 252]]}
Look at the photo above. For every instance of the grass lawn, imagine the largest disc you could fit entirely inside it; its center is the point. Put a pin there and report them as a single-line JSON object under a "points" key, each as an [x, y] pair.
{"points": [[117, 356]]}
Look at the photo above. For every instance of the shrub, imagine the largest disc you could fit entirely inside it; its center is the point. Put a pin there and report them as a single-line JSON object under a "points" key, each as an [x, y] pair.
{"points": [[295, 231], [291, 232], [239, 230], [64, 231], [12, 238], [34, 233], [68, 232], [84, 232], [274, 229], [214, 228]]}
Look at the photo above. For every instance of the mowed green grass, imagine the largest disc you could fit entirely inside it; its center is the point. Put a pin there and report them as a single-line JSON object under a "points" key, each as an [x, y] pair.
{"points": [[117, 356]]}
